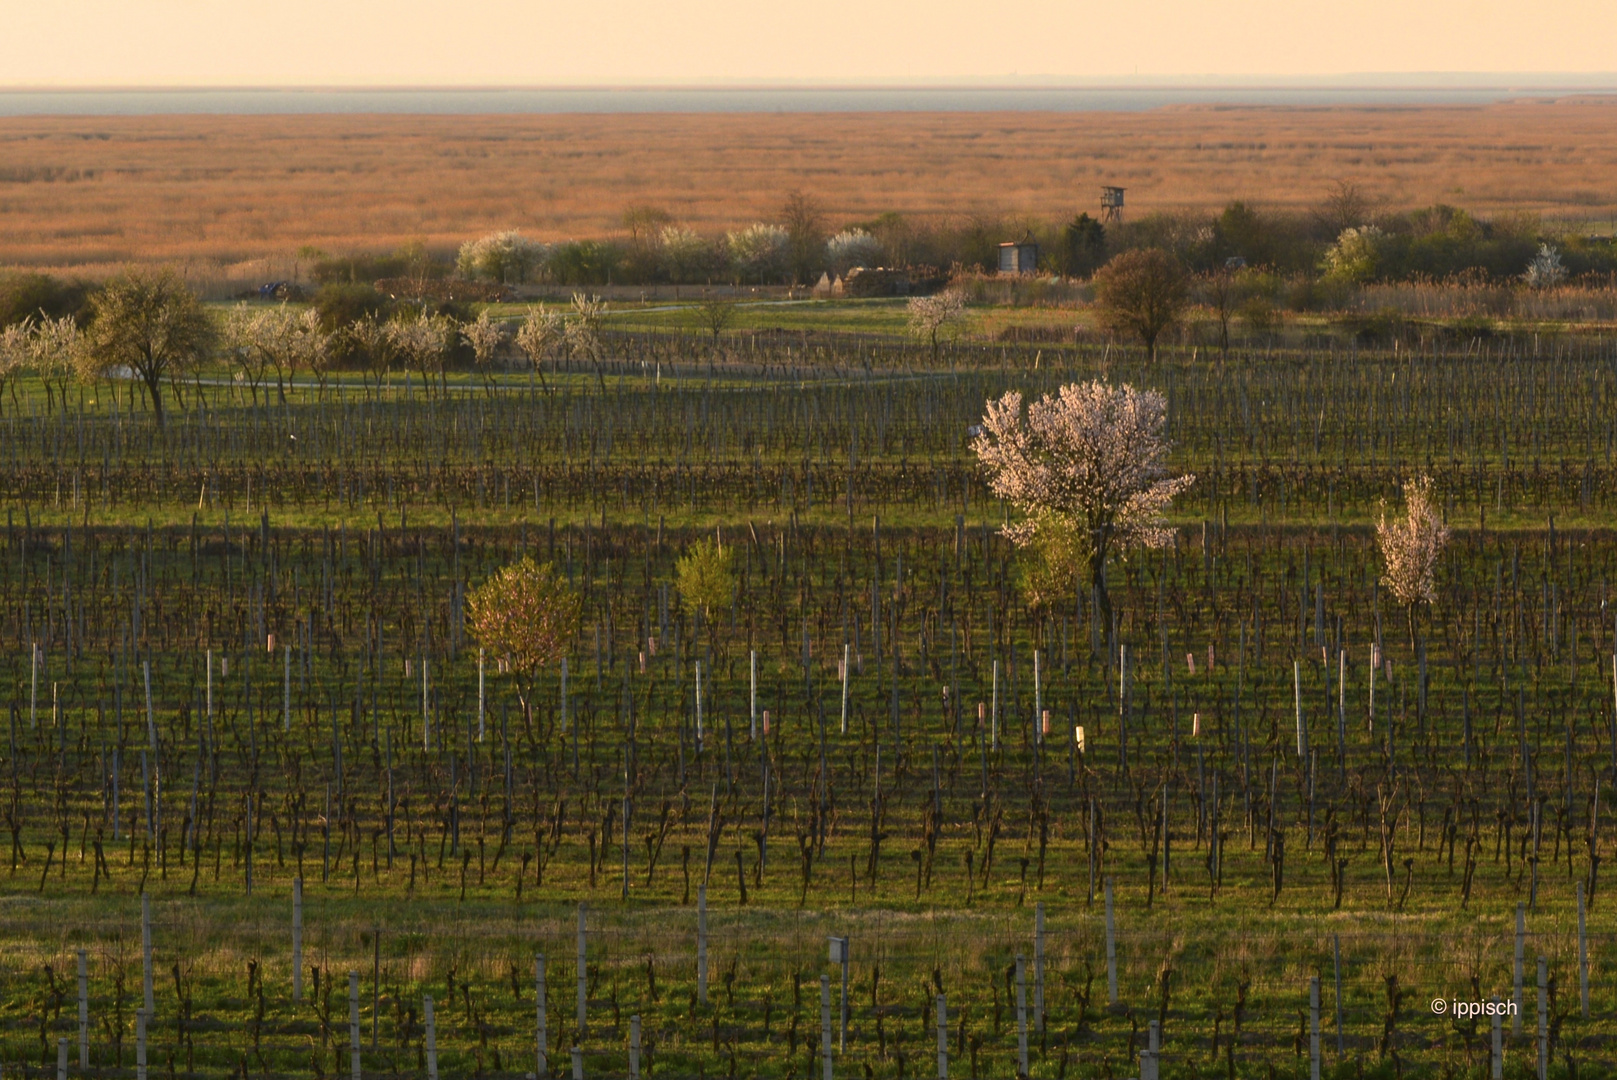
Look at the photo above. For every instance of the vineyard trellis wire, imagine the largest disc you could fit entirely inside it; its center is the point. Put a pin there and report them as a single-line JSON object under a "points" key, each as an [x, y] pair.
{"points": [[206, 702]]}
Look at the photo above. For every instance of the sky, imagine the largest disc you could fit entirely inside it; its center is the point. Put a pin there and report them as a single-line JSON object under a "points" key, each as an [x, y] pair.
{"points": [[334, 43]]}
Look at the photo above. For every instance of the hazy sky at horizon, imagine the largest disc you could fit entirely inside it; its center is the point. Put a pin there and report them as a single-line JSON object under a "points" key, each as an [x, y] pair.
{"points": [[541, 42]]}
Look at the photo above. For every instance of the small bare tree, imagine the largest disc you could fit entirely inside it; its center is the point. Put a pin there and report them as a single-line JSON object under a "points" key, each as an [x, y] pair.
{"points": [[1091, 458], [1220, 293], [805, 229], [933, 317], [1141, 292], [716, 313], [1411, 546], [1345, 206]]}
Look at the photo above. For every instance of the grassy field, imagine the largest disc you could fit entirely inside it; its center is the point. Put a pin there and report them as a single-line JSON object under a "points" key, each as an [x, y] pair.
{"points": [[233, 198], [289, 579]]}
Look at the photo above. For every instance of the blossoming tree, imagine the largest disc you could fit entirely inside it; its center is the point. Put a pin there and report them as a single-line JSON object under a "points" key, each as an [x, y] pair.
{"points": [[1411, 546], [1090, 459], [931, 317]]}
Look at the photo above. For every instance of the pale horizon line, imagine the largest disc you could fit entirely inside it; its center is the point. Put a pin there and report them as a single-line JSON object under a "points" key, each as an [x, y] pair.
{"points": [[1525, 81]]}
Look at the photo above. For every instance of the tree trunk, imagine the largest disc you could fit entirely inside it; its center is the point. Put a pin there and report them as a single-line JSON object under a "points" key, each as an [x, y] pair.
{"points": [[154, 388], [1097, 581]]}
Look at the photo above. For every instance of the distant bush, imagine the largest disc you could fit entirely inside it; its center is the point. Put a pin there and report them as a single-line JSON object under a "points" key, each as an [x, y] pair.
{"points": [[760, 254], [584, 262], [850, 248], [39, 296], [1141, 293], [1381, 327], [412, 260], [508, 258], [1470, 328], [1546, 270], [341, 304], [685, 257], [1083, 247]]}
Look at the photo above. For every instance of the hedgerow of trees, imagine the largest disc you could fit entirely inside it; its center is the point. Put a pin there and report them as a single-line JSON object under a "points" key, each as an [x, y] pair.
{"points": [[1345, 240]]}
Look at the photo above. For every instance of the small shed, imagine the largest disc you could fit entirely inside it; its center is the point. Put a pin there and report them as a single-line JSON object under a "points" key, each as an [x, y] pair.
{"points": [[1019, 256]]}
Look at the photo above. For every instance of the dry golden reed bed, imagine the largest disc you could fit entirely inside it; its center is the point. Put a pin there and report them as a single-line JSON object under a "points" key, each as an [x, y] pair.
{"points": [[88, 192]]}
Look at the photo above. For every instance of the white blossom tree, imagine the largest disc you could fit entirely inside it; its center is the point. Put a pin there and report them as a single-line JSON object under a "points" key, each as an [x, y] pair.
{"points": [[760, 253], [850, 248], [1355, 255], [485, 337], [538, 335], [316, 350], [1091, 459], [16, 343], [1411, 547], [240, 342], [424, 341], [1546, 270], [277, 339], [505, 257], [53, 349], [374, 341], [931, 317], [583, 332], [682, 253]]}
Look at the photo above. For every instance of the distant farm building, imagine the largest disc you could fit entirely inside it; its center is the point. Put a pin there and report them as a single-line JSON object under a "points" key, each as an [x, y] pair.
{"points": [[1019, 256]]}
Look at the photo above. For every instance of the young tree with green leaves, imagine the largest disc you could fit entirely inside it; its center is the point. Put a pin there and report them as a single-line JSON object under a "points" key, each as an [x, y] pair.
{"points": [[1141, 293], [524, 616]]}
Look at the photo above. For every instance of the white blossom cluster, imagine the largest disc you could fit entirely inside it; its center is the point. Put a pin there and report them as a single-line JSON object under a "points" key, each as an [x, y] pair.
{"points": [[850, 248], [759, 252], [1412, 544], [1546, 270], [508, 258], [1091, 455]]}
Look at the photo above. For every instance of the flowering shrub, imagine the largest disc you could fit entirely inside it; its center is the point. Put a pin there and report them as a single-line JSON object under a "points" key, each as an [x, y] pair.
{"points": [[760, 253], [1412, 544], [683, 254], [1356, 254], [1545, 271], [850, 248], [505, 257]]}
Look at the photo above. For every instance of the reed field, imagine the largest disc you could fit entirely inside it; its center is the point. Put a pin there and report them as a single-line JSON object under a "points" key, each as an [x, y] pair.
{"points": [[237, 665], [238, 196]]}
